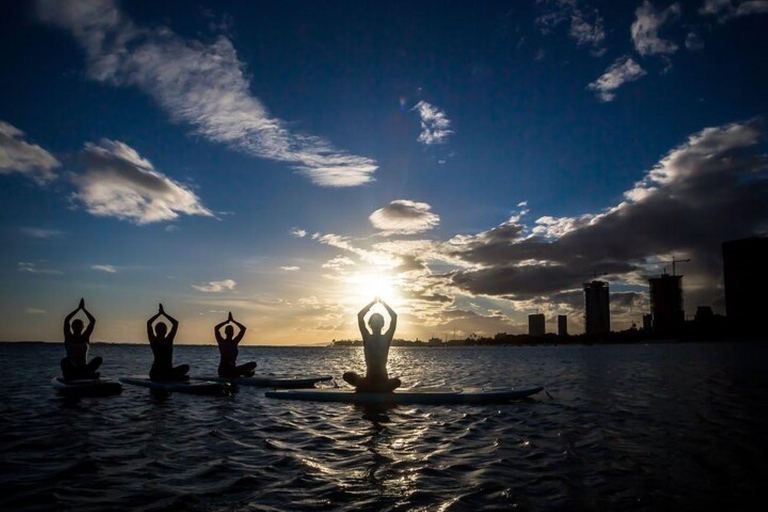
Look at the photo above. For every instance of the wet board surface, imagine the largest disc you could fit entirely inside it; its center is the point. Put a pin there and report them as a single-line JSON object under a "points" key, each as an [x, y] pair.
{"points": [[86, 387], [269, 381], [409, 396], [190, 387]]}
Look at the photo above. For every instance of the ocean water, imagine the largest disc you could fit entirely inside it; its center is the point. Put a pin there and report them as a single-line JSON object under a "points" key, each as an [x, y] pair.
{"points": [[645, 427]]}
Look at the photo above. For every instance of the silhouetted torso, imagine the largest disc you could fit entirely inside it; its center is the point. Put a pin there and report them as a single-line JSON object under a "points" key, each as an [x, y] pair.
{"points": [[162, 349], [77, 348]]}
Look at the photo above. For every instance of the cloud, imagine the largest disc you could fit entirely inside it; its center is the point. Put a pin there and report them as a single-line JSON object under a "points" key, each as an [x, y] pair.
{"points": [[586, 23], [726, 10], [291, 268], [104, 268], [404, 217], [693, 41], [216, 286], [31, 267], [435, 125], [298, 233], [203, 85], [622, 71], [645, 29], [35, 311], [338, 263], [18, 155], [120, 183], [42, 233]]}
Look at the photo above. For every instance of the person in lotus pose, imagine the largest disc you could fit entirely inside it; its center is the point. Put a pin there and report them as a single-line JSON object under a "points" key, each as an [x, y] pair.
{"points": [[376, 349], [228, 348], [161, 342], [77, 339]]}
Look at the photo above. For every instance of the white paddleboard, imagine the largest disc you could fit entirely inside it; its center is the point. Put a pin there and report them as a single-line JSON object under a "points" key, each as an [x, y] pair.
{"points": [[409, 395], [86, 387], [269, 381], [190, 387]]}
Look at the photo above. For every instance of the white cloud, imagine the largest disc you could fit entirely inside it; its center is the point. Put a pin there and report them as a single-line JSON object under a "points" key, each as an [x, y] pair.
{"points": [[215, 286], [339, 262], [204, 85], [645, 29], [404, 217], [290, 268], [18, 155], [31, 267], [120, 183], [35, 311], [42, 233], [435, 125], [298, 233], [693, 41], [622, 71], [728, 9], [586, 23], [110, 269]]}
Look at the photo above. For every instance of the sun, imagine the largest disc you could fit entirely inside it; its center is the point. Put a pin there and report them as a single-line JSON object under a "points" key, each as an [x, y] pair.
{"points": [[363, 287]]}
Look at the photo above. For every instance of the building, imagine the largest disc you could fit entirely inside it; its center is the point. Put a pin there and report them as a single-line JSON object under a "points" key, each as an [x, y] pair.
{"points": [[667, 310], [647, 322], [746, 278], [562, 325], [597, 308], [536, 325]]}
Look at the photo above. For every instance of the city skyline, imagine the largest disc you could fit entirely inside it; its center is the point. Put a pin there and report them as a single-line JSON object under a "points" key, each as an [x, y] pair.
{"points": [[470, 165]]}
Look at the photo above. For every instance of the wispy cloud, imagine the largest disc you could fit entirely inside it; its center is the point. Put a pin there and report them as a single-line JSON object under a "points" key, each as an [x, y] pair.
{"points": [[404, 217], [109, 269], [42, 233], [31, 267], [290, 268], [585, 22], [215, 286], [35, 311], [298, 233], [18, 155], [645, 29], [622, 71], [120, 183], [728, 9], [693, 41], [203, 85], [435, 125]]}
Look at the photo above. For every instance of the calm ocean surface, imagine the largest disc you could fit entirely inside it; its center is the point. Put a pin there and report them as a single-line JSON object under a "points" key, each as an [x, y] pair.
{"points": [[644, 427]]}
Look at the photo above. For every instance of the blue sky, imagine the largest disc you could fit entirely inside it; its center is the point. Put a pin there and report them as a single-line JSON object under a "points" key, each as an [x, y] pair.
{"points": [[149, 150]]}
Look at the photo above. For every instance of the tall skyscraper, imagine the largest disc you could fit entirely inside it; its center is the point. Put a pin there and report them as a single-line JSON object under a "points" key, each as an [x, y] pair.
{"points": [[536, 325], [667, 303], [745, 273], [597, 308], [562, 325]]}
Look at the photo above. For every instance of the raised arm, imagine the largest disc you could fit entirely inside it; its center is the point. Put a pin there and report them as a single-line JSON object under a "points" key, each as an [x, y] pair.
{"points": [[68, 320], [241, 328], [361, 318], [150, 330], [91, 320], [217, 330], [392, 320], [174, 323]]}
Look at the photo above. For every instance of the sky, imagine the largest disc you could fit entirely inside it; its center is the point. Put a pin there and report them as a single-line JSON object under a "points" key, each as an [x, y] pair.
{"points": [[471, 163]]}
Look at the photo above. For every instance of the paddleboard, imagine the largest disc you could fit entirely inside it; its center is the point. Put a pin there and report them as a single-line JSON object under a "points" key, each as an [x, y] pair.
{"points": [[86, 387], [190, 387], [409, 395], [269, 381]]}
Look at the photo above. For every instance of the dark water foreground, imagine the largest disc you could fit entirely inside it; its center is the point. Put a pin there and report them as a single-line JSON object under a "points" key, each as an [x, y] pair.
{"points": [[651, 427]]}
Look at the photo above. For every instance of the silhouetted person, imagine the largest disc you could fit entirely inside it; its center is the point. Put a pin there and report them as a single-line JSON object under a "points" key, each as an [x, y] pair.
{"points": [[228, 347], [161, 342], [77, 340], [376, 349]]}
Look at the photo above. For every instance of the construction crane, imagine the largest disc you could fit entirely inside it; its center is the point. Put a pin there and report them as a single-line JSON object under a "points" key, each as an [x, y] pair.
{"points": [[674, 262]]}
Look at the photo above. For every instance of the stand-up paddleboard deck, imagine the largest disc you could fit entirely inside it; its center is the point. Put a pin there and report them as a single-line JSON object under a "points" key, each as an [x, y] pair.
{"points": [[409, 396], [269, 381], [190, 387], [86, 387]]}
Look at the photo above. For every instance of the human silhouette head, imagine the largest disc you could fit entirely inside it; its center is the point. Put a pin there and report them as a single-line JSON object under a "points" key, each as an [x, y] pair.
{"points": [[229, 331], [77, 326], [376, 322], [161, 329]]}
